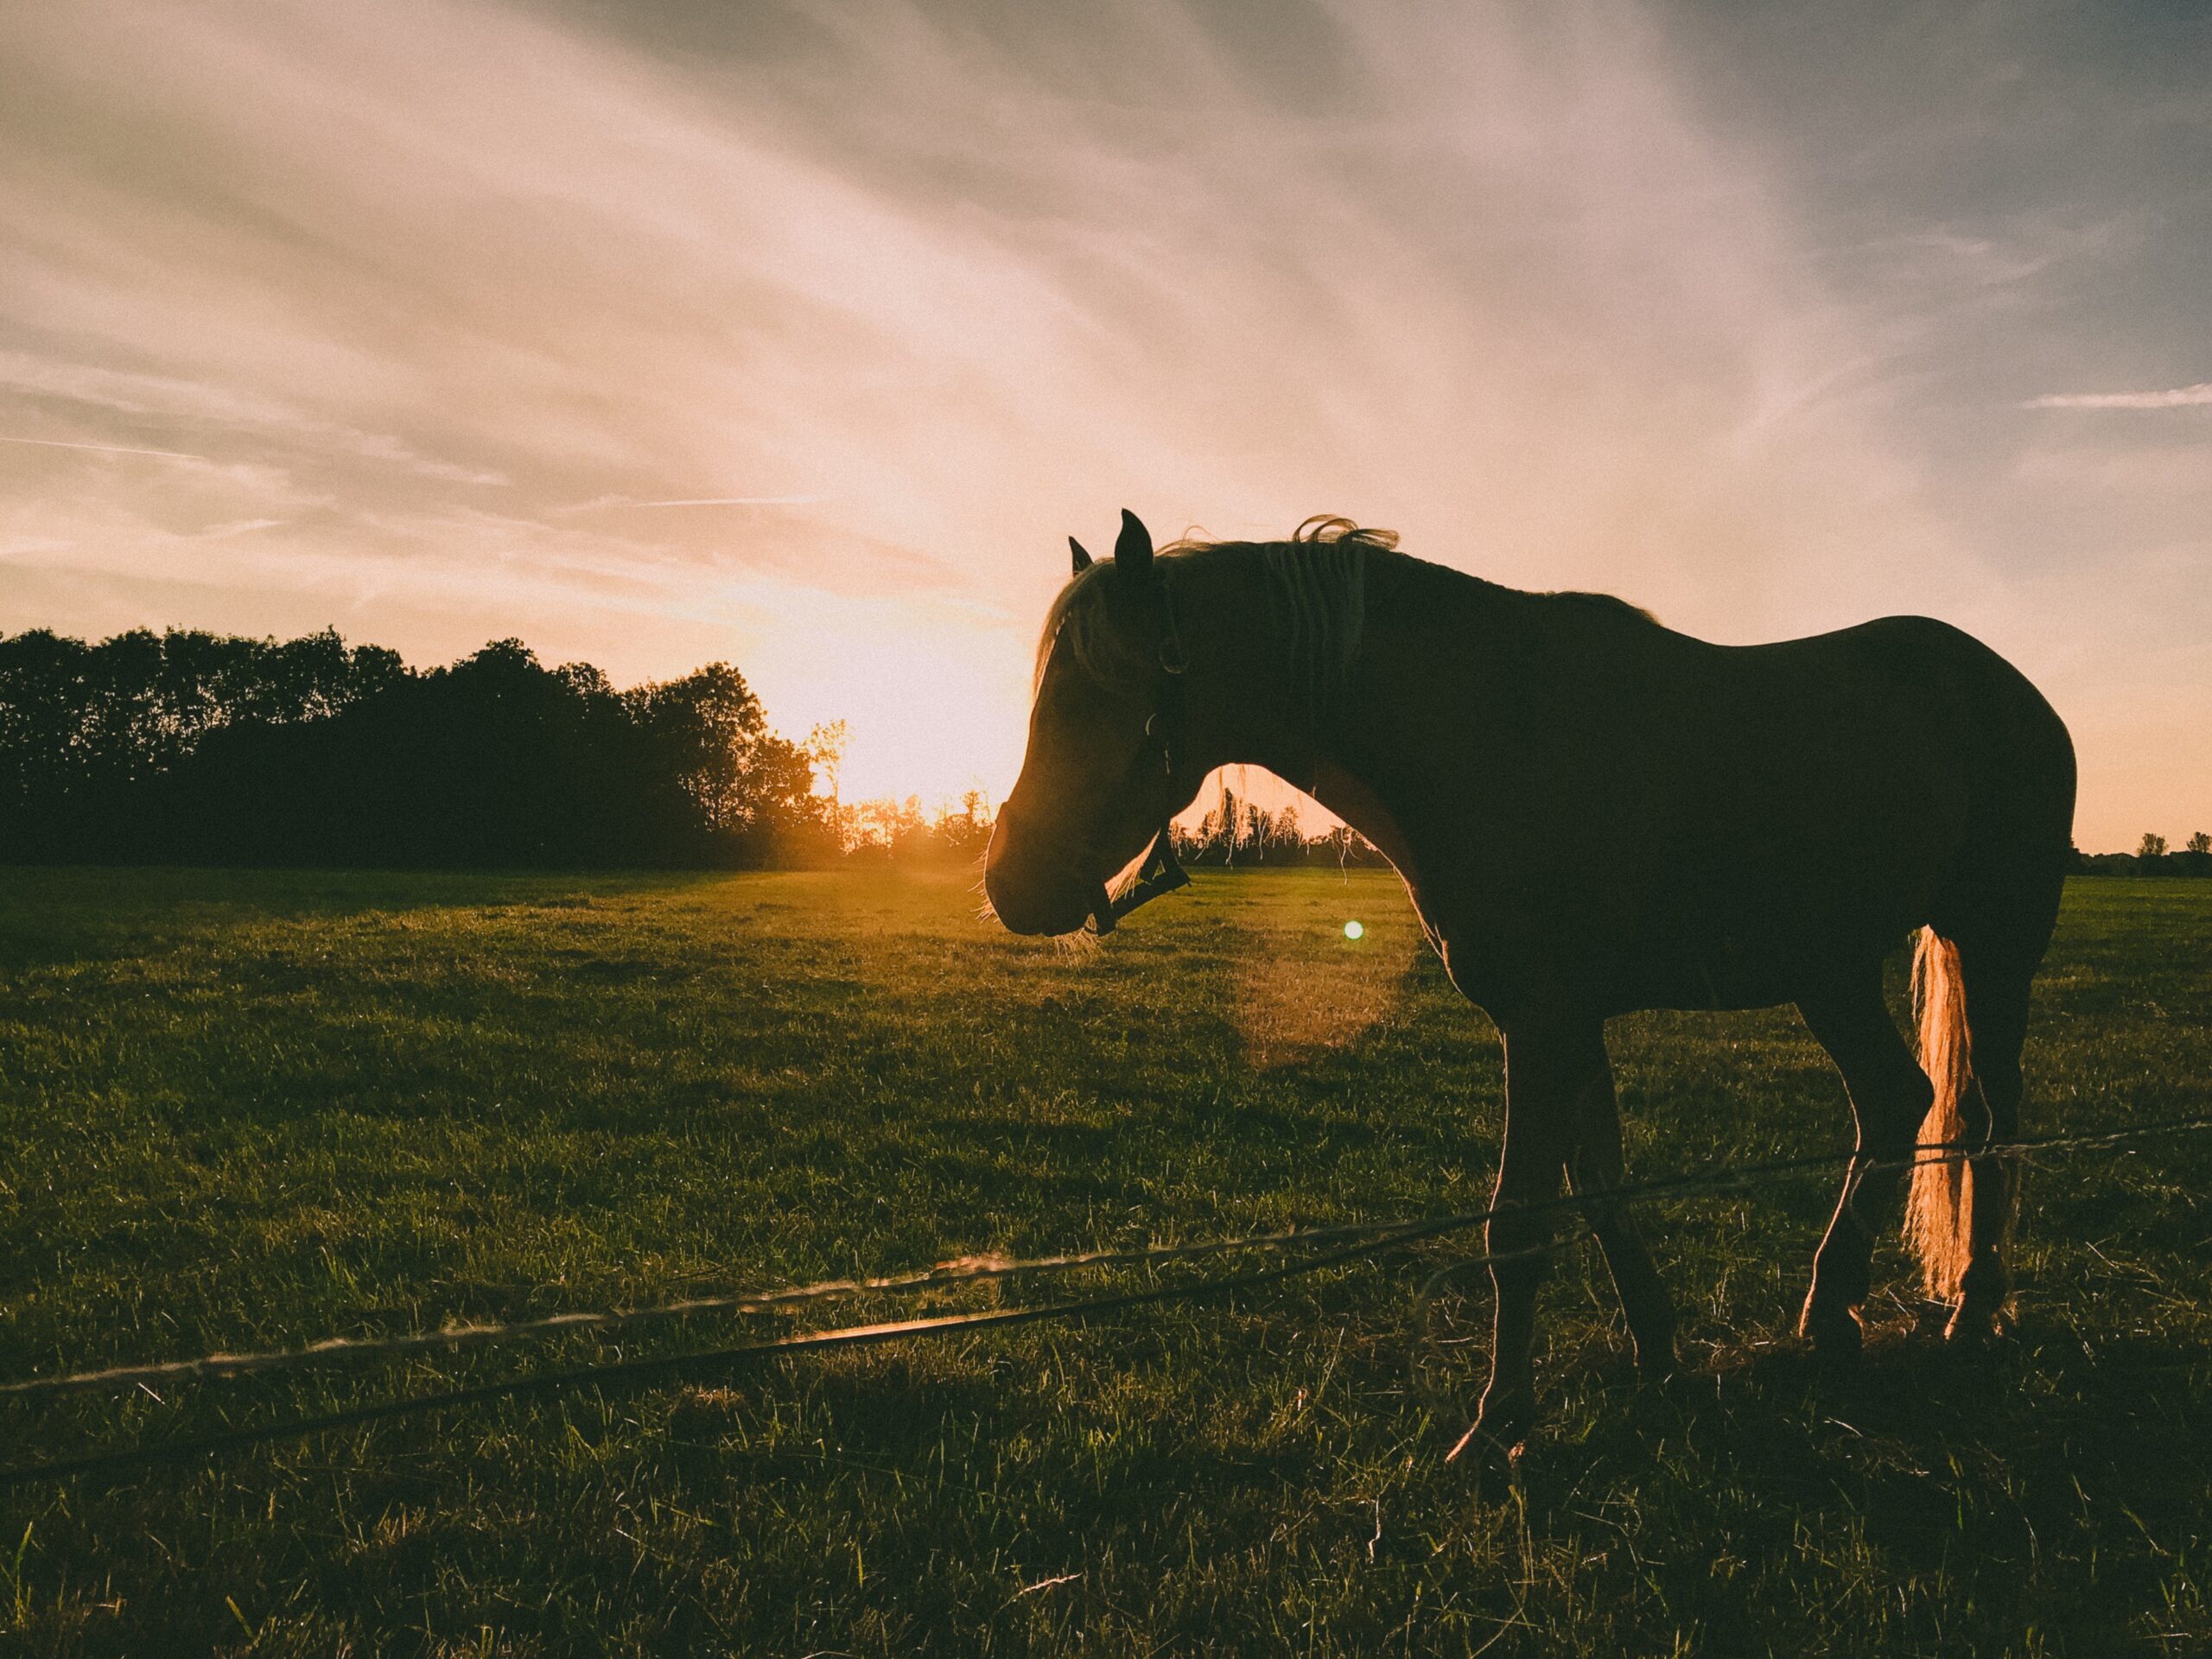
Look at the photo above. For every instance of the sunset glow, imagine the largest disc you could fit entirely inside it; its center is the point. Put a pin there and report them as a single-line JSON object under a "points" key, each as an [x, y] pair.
{"points": [[801, 339]]}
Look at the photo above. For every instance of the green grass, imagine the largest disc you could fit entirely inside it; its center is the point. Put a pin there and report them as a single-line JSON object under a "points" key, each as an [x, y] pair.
{"points": [[241, 1110]]}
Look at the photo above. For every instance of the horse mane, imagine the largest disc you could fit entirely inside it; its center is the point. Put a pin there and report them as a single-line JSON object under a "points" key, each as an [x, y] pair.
{"points": [[1316, 587], [1603, 601]]}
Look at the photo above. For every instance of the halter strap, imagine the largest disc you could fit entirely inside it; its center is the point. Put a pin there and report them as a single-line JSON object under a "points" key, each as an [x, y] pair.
{"points": [[1167, 731]]}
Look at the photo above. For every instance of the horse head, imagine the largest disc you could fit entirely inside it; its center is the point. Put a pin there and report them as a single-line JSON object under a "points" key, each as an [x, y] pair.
{"points": [[1104, 772]]}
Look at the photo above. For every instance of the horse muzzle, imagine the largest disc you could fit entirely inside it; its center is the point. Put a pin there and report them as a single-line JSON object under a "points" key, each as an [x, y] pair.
{"points": [[1036, 909], [1029, 895]]}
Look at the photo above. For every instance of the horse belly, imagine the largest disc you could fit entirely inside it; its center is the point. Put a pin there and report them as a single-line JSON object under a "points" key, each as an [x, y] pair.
{"points": [[1768, 936], [1718, 970]]}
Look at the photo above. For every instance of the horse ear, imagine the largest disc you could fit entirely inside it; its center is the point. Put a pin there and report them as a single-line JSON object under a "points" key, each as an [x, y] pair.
{"points": [[1081, 558], [1133, 548]]}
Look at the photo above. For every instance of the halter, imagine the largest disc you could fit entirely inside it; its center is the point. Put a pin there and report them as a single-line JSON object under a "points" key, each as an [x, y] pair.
{"points": [[1164, 738]]}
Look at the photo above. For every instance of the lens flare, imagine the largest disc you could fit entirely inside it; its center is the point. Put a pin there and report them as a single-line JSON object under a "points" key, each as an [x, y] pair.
{"points": [[1353, 930]]}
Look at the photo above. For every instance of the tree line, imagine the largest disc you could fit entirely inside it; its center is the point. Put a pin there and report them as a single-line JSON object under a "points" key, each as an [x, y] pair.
{"points": [[1237, 833], [195, 747], [2150, 857]]}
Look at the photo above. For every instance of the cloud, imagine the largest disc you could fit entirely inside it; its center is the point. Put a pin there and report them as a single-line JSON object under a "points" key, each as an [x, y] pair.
{"points": [[103, 448], [2179, 398], [736, 501], [79, 391], [244, 526]]}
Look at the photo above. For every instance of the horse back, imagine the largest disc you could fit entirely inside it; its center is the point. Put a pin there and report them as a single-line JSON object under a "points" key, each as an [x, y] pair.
{"points": [[1671, 822]]}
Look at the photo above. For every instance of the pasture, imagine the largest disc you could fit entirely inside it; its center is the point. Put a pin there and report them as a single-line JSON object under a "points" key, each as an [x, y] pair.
{"points": [[250, 1110]]}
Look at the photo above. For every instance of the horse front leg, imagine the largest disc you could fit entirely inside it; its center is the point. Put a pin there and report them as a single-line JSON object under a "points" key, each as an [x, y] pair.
{"points": [[1550, 1060], [1595, 1169]]}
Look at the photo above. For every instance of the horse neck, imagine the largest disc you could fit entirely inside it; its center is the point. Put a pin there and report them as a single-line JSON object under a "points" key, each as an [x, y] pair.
{"points": [[1376, 766], [1255, 689]]}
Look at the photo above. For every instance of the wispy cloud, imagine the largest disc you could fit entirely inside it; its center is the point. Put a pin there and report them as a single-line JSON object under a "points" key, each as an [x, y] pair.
{"points": [[1173, 285], [103, 448], [2178, 397], [735, 501], [242, 527]]}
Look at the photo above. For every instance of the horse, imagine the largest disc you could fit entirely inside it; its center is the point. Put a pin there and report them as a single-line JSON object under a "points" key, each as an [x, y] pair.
{"points": [[1594, 814]]}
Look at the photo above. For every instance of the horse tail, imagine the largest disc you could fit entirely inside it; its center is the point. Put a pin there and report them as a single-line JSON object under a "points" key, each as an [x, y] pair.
{"points": [[1936, 1219]]}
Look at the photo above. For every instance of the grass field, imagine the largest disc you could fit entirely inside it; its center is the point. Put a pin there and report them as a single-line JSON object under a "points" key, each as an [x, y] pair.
{"points": [[240, 1110]]}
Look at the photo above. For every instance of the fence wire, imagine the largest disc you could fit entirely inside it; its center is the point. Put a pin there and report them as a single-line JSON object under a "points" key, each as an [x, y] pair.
{"points": [[1353, 1241]]}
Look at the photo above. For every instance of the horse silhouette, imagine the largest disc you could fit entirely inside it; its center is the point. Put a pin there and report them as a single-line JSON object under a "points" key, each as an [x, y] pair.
{"points": [[1595, 814]]}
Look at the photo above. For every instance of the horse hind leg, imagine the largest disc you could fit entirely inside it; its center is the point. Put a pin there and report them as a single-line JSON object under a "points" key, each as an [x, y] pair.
{"points": [[1977, 965], [1889, 1095], [1997, 994]]}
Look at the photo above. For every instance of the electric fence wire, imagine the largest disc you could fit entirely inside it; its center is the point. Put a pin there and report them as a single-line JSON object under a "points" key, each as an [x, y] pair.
{"points": [[1359, 1241]]}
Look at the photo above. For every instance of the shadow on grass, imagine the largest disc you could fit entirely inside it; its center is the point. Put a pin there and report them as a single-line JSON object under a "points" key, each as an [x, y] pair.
{"points": [[51, 916]]}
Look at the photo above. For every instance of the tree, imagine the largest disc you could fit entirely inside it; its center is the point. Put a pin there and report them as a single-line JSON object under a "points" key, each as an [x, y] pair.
{"points": [[703, 729], [963, 835], [2152, 846], [2199, 842], [825, 749], [889, 827]]}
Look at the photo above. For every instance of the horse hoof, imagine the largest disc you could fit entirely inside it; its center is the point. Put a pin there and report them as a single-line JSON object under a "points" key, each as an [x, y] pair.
{"points": [[1837, 1342], [1972, 1329], [1498, 1435], [1491, 1464]]}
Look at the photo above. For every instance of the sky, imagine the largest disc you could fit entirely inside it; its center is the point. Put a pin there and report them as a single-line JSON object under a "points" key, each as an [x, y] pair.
{"points": [[801, 336]]}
